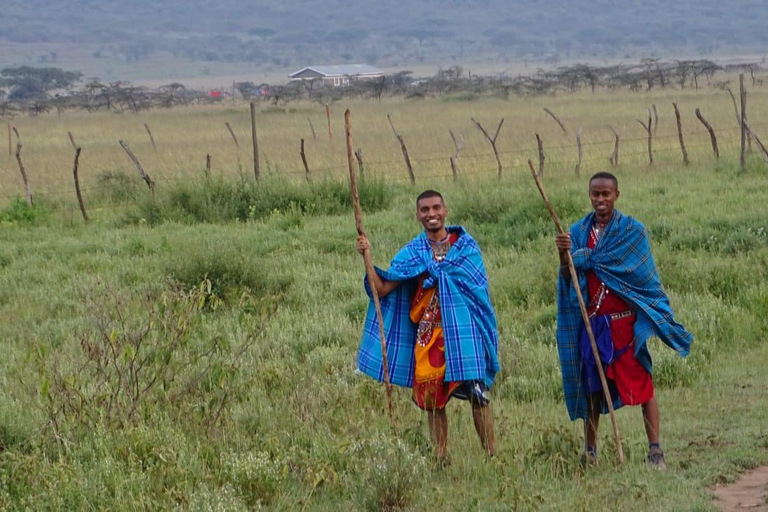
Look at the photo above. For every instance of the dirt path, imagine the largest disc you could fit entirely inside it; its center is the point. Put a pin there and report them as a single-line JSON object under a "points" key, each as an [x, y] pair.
{"points": [[748, 493]]}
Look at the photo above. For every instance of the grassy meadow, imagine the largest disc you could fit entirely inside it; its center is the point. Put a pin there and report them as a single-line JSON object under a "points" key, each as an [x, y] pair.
{"points": [[196, 350]]}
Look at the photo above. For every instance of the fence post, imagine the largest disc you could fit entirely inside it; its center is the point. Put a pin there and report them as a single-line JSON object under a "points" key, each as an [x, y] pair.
{"points": [[255, 141], [80, 202]]}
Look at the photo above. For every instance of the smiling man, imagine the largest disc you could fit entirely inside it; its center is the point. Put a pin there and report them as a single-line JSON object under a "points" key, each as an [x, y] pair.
{"points": [[627, 305], [442, 339]]}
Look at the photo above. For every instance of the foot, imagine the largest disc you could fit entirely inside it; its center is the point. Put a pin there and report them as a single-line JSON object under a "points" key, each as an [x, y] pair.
{"points": [[656, 458], [588, 459]]}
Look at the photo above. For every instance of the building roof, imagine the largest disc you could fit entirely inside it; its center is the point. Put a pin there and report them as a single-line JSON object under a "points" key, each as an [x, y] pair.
{"points": [[341, 70]]}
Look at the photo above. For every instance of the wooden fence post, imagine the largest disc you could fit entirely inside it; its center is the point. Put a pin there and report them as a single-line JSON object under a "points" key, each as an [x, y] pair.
{"points": [[458, 144], [404, 151], [255, 141], [711, 131], [492, 141], [232, 133], [75, 165], [680, 134], [743, 96], [577, 170], [328, 117], [557, 120], [649, 129], [304, 161], [540, 145], [312, 127], [139, 168], [614, 159], [360, 165], [207, 165], [27, 189], [151, 138]]}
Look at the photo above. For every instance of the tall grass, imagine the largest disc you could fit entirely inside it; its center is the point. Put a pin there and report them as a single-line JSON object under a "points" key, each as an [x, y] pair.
{"points": [[299, 428]]}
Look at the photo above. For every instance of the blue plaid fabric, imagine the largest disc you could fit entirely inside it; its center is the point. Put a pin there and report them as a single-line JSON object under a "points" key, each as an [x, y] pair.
{"points": [[622, 260], [468, 319]]}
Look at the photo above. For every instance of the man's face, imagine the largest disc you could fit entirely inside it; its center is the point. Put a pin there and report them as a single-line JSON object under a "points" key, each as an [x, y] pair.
{"points": [[431, 212], [603, 194]]}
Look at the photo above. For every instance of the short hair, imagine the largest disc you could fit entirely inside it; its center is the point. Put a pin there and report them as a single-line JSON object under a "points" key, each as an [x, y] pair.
{"points": [[427, 194], [604, 176]]}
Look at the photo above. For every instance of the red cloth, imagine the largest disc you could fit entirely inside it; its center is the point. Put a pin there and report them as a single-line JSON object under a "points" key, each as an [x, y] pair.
{"points": [[633, 382]]}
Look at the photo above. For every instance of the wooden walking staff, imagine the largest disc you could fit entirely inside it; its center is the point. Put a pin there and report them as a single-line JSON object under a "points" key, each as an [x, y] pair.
{"points": [[369, 270], [584, 316]]}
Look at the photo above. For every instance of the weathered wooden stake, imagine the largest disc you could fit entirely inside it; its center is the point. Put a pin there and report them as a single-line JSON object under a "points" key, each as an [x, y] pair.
{"points": [[207, 165], [585, 318], [711, 131], [151, 138], [458, 144], [581, 155], [614, 159], [655, 119], [540, 145], [328, 117], [75, 165], [743, 96], [738, 119], [139, 168], [312, 127], [255, 141], [232, 133], [368, 260], [492, 141], [649, 128], [304, 161], [404, 151], [680, 134], [360, 164], [557, 120], [27, 190], [760, 146]]}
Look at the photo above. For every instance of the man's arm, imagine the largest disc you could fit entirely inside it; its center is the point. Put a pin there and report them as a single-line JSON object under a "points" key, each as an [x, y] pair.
{"points": [[383, 287]]}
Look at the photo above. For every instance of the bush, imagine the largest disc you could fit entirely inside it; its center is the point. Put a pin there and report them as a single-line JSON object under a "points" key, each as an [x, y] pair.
{"points": [[18, 212], [217, 200]]}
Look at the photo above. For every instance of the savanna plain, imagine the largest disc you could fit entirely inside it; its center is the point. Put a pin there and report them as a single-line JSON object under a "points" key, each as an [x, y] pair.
{"points": [[194, 348]]}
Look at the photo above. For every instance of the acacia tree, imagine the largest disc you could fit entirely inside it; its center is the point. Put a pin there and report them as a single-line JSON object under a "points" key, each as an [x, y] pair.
{"points": [[27, 83]]}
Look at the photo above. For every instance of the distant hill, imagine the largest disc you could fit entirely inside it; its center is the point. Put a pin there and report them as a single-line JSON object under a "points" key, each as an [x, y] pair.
{"points": [[387, 33]]}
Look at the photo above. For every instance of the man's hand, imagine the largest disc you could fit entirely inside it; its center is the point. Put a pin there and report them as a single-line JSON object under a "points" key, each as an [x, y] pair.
{"points": [[362, 244], [563, 242]]}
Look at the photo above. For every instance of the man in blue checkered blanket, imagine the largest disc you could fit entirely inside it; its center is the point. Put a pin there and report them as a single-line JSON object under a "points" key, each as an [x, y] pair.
{"points": [[440, 326], [626, 304]]}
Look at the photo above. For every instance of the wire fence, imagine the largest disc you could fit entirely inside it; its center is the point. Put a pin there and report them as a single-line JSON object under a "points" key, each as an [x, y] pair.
{"points": [[59, 204]]}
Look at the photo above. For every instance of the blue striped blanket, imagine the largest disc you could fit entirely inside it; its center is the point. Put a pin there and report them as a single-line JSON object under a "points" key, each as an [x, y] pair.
{"points": [[468, 319], [622, 260]]}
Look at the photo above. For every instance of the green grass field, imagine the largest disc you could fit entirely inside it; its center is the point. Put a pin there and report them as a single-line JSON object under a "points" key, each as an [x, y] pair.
{"points": [[197, 350]]}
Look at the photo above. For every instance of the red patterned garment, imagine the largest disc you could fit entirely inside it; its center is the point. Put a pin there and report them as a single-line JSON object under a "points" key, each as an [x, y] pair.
{"points": [[633, 382]]}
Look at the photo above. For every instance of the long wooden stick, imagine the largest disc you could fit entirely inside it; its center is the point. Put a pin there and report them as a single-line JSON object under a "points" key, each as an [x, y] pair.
{"points": [[369, 270], [584, 316]]}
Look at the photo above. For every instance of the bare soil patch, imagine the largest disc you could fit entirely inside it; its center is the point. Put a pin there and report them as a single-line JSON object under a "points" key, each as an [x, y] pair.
{"points": [[748, 493]]}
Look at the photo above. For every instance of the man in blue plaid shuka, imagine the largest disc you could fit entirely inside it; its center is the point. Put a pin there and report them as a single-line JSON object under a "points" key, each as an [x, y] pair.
{"points": [[623, 265], [447, 258]]}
